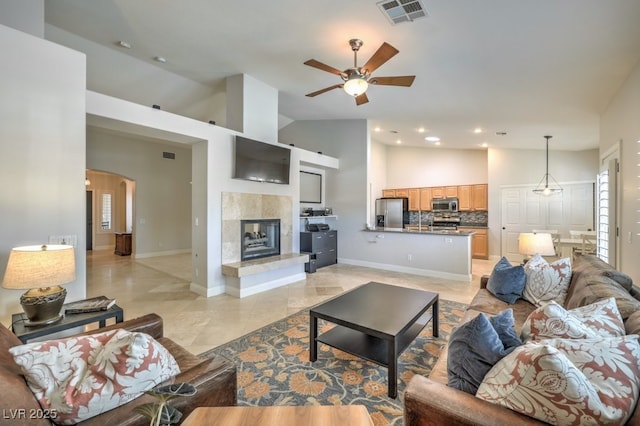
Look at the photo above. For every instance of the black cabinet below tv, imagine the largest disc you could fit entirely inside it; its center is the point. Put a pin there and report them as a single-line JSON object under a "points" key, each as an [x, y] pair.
{"points": [[324, 244]]}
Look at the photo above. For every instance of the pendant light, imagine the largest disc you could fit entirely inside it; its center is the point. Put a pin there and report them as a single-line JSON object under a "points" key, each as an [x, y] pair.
{"points": [[546, 189]]}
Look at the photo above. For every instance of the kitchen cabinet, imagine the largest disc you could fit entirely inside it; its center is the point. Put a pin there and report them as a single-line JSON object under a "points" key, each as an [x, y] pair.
{"points": [[388, 193], [425, 199], [479, 242], [437, 192], [479, 197], [450, 191], [464, 197], [402, 192], [414, 199], [324, 244], [472, 197]]}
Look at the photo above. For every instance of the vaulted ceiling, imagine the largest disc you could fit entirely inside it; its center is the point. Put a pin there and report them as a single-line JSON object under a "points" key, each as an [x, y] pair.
{"points": [[526, 68]]}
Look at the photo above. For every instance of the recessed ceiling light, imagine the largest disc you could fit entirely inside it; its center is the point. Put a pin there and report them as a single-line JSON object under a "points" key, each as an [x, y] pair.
{"points": [[161, 59], [477, 130], [432, 139], [437, 143], [420, 129], [376, 129], [124, 44], [484, 144], [398, 141]]}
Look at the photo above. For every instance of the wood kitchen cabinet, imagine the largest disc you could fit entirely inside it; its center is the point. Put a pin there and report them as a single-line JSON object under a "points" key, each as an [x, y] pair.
{"points": [[414, 199], [450, 191], [425, 199], [437, 192], [479, 197], [479, 242], [402, 192], [464, 197], [388, 193]]}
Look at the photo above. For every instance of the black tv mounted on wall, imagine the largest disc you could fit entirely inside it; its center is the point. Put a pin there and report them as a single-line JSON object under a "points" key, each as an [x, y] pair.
{"points": [[261, 162]]}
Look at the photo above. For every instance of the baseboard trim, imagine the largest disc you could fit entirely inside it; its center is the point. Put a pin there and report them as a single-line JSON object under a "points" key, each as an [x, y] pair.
{"points": [[408, 270], [206, 292], [160, 253]]}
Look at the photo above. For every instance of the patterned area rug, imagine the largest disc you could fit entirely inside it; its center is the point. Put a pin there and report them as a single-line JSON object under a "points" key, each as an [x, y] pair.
{"points": [[274, 368]]}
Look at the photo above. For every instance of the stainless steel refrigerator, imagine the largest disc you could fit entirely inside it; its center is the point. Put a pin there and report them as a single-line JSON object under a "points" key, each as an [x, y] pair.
{"points": [[392, 212]]}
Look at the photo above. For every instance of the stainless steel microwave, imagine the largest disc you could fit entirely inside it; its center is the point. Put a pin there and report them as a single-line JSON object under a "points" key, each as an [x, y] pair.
{"points": [[444, 205]]}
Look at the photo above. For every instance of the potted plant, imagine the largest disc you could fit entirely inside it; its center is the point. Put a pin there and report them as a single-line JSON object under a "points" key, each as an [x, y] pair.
{"points": [[161, 413]]}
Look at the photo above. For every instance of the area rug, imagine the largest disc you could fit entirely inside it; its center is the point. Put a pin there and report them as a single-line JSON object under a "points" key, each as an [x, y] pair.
{"points": [[274, 369]]}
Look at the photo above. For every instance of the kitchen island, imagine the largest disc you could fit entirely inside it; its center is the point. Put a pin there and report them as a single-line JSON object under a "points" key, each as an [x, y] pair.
{"points": [[434, 253]]}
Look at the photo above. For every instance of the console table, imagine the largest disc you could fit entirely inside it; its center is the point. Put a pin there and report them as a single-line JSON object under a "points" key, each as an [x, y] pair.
{"points": [[67, 322]]}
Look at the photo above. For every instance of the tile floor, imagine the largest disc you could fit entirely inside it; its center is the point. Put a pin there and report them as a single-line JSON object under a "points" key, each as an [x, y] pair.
{"points": [[161, 285]]}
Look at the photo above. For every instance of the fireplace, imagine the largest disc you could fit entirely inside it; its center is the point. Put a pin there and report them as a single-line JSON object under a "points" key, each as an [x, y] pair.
{"points": [[260, 238]]}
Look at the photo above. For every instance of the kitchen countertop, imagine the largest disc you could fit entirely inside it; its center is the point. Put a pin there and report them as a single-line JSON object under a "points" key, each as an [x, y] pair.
{"points": [[473, 225], [423, 231]]}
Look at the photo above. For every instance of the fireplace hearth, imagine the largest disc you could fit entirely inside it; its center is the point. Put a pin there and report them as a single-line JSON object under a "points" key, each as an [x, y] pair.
{"points": [[259, 238]]}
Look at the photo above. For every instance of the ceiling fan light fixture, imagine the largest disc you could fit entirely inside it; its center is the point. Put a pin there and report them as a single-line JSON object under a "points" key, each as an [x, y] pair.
{"points": [[355, 85], [546, 189]]}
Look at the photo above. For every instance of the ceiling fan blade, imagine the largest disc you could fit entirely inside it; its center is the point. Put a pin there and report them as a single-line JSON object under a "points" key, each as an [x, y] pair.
{"points": [[382, 55], [404, 80], [321, 91], [362, 99], [323, 67]]}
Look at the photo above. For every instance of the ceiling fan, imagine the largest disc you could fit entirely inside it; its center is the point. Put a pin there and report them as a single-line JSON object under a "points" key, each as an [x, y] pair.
{"points": [[357, 79]]}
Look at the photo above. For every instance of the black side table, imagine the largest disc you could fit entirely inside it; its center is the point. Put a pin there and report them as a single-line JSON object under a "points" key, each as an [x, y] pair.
{"points": [[67, 322]]}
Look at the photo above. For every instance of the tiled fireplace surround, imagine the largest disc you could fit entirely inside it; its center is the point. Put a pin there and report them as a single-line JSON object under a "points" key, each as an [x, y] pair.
{"points": [[247, 278]]}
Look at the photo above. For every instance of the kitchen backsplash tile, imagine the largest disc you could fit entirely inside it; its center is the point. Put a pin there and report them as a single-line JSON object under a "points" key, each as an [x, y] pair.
{"points": [[478, 218]]}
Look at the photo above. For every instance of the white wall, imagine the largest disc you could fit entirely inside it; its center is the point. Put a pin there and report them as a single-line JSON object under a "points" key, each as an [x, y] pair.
{"points": [[26, 16], [42, 151], [621, 122], [347, 187], [113, 72], [252, 108], [413, 167], [162, 216]]}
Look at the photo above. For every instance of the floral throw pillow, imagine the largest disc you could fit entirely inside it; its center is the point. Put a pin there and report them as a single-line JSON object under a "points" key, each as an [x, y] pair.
{"points": [[568, 382], [81, 377], [599, 319], [546, 281]]}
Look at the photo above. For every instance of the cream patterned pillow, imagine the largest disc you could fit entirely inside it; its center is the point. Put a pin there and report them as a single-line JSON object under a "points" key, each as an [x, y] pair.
{"points": [[546, 281], [80, 377], [599, 319], [568, 382]]}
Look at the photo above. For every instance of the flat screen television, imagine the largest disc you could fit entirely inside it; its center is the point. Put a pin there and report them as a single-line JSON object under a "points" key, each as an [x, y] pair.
{"points": [[261, 162]]}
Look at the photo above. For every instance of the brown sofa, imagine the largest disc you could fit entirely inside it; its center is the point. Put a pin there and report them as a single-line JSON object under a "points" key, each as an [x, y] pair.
{"points": [[214, 379], [429, 401]]}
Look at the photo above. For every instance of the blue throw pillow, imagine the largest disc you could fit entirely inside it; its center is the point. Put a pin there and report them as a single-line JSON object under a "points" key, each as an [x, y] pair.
{"points": [[507, 282], [505, 325], [475, 346]]}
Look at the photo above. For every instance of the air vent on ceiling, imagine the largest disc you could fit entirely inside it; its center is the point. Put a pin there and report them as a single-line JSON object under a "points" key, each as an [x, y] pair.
{"points": [[169, 155], [398, 11]]}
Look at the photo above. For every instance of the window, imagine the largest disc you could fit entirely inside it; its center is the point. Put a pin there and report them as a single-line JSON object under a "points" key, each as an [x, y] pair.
{"points": [[106, 211]]}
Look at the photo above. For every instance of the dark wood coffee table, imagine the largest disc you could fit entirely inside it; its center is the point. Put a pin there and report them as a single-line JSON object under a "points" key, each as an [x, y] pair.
{"points": [[376, 322]]}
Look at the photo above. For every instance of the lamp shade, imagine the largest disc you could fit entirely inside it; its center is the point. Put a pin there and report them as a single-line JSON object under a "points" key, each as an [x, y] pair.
{"points": [[40, 266], [530, 243]]}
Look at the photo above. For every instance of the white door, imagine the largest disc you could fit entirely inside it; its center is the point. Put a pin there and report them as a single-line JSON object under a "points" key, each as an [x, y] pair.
{"points": [[523, 211]]}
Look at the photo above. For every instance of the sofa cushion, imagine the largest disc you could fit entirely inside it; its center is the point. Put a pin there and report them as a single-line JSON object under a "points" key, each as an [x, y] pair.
{"points": [[506, 281], [593, 265], [475, 346], [546, 281], [486, 302], [81, 377], [568, 381], [600, 319], [587, 289]]}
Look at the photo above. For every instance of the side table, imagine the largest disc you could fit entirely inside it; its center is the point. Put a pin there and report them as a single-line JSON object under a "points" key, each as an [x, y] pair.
{"points": [[67, 322]]}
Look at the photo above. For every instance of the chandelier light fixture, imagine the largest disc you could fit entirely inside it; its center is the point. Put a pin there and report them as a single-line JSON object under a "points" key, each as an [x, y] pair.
{"points": [[546, 189]]}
